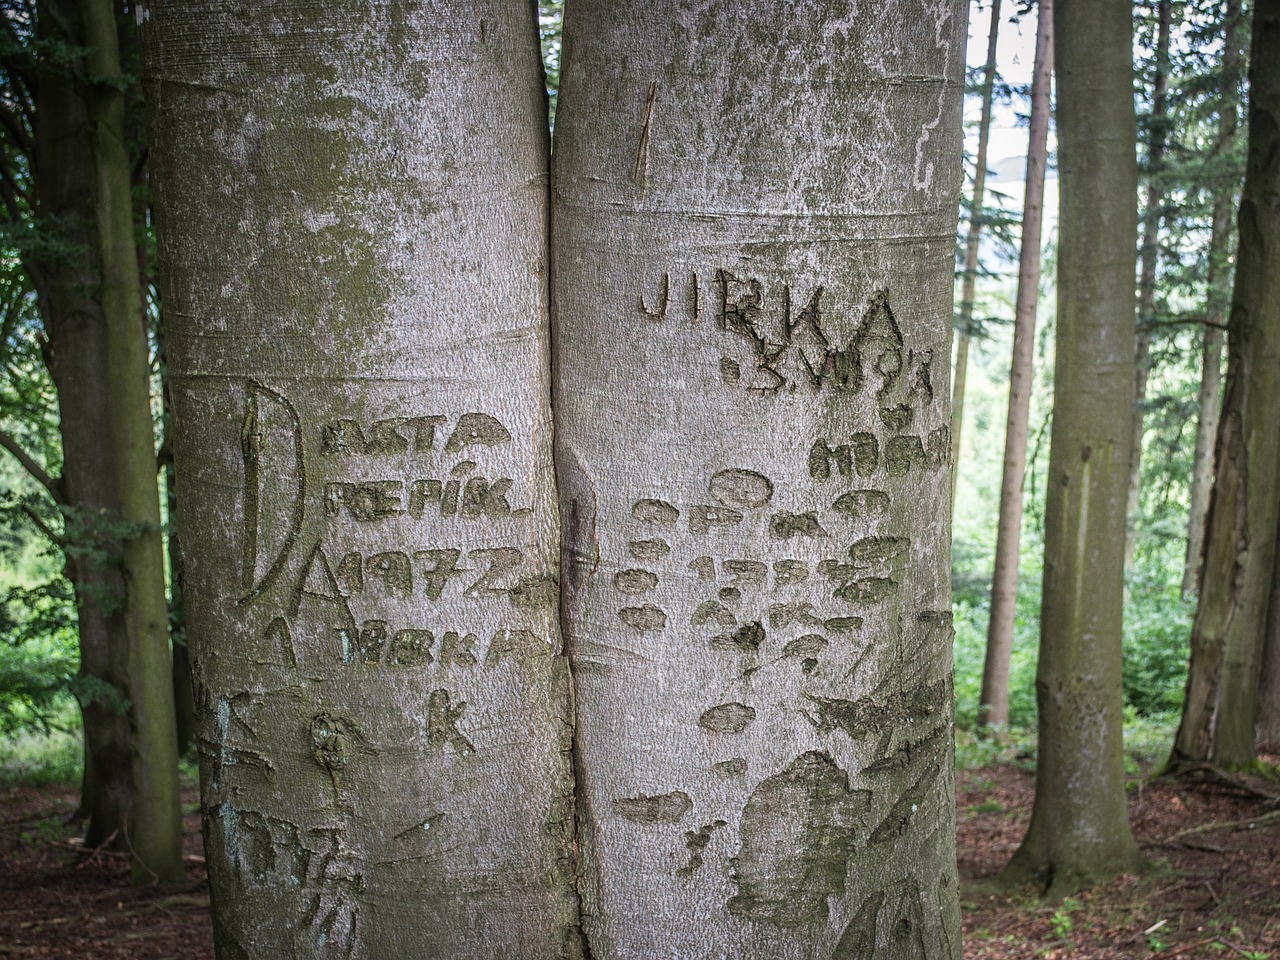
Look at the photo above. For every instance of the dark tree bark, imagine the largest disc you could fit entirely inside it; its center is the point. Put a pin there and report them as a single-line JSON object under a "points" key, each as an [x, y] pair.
{"points": [[184, 704], [76, 329], [1267, 727], [1217, 300], [155, 818], [1227, 638]]}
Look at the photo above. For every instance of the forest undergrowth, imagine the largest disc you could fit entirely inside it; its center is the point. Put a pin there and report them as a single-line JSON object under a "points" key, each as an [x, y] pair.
{"points": [[1212, 890]]}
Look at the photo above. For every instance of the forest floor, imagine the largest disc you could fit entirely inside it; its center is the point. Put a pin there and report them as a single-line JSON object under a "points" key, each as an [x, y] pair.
{"points": [[1213, 890]]}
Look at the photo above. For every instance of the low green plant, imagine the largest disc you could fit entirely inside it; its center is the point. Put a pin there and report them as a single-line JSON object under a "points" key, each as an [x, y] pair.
{"points": [[1061, 920], [1015, 747], [36, 758], [1148, 738]]}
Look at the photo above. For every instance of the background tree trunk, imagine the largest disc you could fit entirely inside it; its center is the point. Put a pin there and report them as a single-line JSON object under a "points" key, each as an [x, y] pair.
{"points": [[1218, 711], [353, 226], [1267, 727], [155, 820], [1079, 829], [972, 239], [184, 696], [993, 707], [184, 701], [753, 261], [73, 319], [1149, 257], [1217, 297]]}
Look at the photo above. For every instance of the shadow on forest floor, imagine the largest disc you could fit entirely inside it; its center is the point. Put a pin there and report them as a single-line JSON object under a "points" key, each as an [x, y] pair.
{"points": [[1214, 892]]}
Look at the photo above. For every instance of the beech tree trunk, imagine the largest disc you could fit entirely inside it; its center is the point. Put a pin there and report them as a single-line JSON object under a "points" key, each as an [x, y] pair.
{"points": [[155, 820], [1217, 297], [1149, 258], [753, 258], [74, 323], [972, 240], [1079, 830], [993, 706], [1218, 711], [353, 217]]}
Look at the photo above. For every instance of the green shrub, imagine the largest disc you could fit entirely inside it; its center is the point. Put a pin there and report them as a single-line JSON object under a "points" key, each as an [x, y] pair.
{"points": [[33, 758], [39, 657]]}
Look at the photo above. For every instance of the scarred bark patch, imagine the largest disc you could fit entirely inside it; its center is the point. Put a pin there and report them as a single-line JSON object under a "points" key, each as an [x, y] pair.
{"points": [[797, 831]]}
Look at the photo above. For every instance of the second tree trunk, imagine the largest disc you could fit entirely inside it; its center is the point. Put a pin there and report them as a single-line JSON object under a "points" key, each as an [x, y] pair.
{"points": [[753, 260]]}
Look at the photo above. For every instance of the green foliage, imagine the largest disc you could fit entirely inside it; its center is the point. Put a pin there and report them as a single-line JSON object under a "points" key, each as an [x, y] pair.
{"points": [[38, 657], [1016, 748], [1157, 632], [1148, 739], [1195, 171], [33, 759], [1061, 920], [971, 615]]}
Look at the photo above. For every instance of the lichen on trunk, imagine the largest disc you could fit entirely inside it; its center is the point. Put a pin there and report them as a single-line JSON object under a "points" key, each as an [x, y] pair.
{"points": [[352, 214]]}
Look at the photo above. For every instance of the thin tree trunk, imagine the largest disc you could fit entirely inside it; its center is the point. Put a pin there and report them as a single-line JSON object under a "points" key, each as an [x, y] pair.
{"points": [[1217, 297], [1079, 831], [972, 239], [352, 212], [155, 820], [753, 284], [1267, 726], [1210, 410], [73, 321], [184, 698], [184, 702], [1218, 711], [993, 709], [1149, 255]]}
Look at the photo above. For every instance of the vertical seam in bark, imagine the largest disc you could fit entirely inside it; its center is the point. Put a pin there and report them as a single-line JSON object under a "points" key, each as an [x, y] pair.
{"points": [[580, 944], [577, 945]]}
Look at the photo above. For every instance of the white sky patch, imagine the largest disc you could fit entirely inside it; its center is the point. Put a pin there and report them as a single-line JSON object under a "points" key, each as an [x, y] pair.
{"points": [[1007, 150]]}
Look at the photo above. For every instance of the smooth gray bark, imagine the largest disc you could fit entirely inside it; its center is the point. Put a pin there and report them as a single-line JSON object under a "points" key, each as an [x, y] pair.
{"points": [[1079, 831], [353, 217], [993, 708], [754, 221]]}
